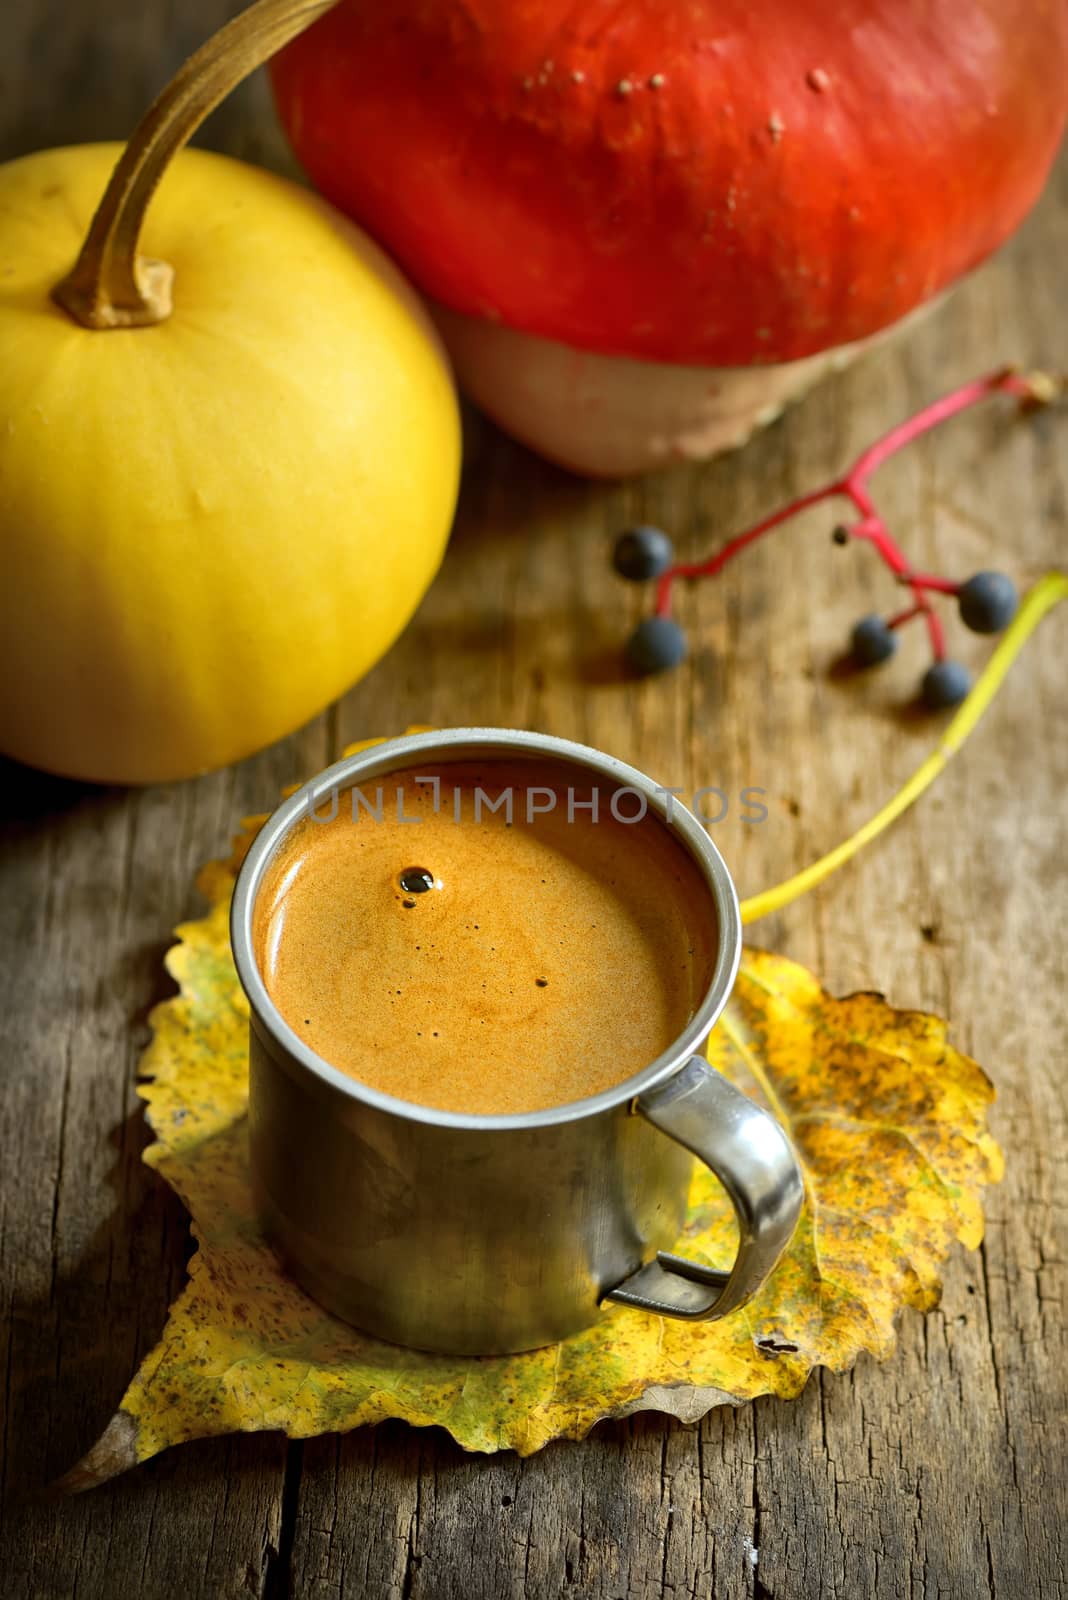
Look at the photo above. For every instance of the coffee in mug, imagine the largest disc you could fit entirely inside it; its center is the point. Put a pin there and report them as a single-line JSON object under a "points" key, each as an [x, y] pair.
{"points": [[496, 936]]}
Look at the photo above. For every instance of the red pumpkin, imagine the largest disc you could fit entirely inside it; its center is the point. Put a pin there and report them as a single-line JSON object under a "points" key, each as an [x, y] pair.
{"points": [[717, 183]]}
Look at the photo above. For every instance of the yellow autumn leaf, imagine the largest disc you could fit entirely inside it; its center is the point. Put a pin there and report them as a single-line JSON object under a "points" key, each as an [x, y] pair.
{"points": [[889, 1122]]}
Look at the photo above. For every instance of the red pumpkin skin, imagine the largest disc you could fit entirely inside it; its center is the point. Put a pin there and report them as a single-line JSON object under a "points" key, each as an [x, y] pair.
{"points": [[720, 182]]}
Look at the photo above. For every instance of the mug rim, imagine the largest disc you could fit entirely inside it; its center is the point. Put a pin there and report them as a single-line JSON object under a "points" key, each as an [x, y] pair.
{"points": [[393, 753]]}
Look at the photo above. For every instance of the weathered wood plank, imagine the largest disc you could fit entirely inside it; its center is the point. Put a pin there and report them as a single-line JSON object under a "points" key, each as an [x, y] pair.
{"points": [[92, 1247], [937, 1474]]}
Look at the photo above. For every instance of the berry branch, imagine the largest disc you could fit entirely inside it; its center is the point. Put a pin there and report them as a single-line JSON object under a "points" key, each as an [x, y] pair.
{"points": [[987, 601]]}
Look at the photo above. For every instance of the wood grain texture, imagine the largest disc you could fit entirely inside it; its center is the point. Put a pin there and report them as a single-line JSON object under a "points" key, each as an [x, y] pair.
{"points": [[939, 1474]]}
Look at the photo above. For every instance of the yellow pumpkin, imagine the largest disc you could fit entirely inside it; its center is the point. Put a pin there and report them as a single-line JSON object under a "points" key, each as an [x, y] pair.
{"points": [[210, 527]]}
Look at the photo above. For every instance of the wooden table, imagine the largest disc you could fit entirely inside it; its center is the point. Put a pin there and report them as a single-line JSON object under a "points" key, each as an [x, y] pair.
{"points": [[940, 1473]]}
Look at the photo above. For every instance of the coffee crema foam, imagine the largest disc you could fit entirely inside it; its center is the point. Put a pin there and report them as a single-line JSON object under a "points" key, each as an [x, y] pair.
{"points": [[527, 964]]}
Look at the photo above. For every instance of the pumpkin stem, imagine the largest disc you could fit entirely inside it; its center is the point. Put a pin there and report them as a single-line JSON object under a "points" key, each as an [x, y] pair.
{"points": [[110, 285]]}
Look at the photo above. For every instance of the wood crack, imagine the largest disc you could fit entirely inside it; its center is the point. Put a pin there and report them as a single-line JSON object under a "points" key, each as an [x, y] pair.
{"points": [[278, 1572]]}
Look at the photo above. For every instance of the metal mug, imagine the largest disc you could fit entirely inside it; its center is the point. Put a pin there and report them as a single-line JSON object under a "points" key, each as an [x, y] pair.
{"points": [[490, 1234]]}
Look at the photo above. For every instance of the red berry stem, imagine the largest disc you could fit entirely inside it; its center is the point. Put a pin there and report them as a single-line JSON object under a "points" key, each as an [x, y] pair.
{"points": [[714, 564], [927, 580], [853, 486], [874, 529], [901, 617], [935, 633], [1004, 381]]}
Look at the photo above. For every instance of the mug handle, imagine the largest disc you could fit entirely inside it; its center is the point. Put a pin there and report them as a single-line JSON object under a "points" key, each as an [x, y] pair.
{"points": [[753, 1159]]}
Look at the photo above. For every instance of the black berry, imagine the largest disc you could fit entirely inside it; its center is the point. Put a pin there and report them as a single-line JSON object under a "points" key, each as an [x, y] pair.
{"points": [[642, 553], [656, 644], [945, 684], [873, 641], [987, 602]]}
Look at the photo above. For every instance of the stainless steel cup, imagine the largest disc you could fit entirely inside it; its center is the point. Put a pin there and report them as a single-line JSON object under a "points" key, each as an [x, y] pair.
{"points": [[488, 1234]]}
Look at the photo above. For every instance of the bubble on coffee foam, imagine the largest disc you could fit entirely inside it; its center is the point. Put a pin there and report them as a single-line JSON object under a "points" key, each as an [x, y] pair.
{"points": [[417, 880]]}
